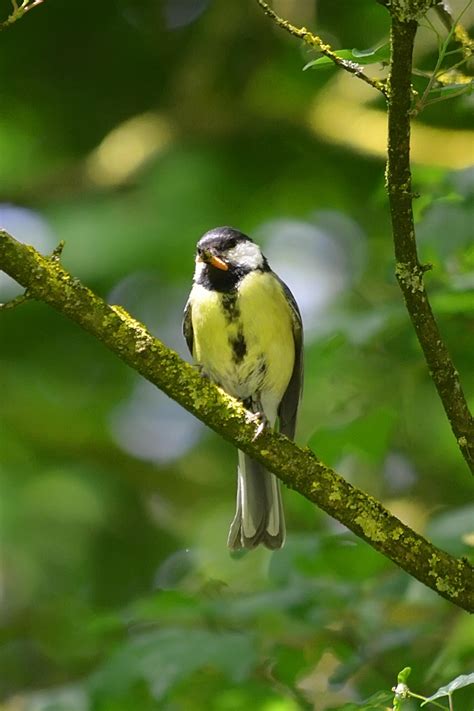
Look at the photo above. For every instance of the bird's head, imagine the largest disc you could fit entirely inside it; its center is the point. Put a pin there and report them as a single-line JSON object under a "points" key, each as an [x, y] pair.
{"points": [[225, 253]]}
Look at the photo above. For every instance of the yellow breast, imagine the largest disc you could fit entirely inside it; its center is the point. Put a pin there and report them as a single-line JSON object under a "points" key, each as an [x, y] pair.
{"points": [[262, 316]]}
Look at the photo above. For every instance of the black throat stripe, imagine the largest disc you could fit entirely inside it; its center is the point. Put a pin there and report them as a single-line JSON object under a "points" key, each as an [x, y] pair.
{"points": [[225, 282]]}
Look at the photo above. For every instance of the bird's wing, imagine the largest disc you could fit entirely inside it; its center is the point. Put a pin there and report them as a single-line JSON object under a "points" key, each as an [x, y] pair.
{"points": [[188, 332], [288, 409]]}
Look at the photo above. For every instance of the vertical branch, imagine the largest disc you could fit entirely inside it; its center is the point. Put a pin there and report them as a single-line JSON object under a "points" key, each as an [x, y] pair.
{"points": [[409, 271]]}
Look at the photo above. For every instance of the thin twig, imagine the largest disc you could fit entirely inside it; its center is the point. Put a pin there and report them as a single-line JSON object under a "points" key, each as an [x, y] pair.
{"points": [[57, 252], [19, 11], [424, 698], [461, 35], [462, 61], [423, 101], [29, 6], [316, 42], [17, 301], [418, 108]]}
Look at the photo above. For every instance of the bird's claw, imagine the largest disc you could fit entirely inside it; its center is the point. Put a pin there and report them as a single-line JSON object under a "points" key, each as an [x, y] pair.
{"points": [[261, 420]]}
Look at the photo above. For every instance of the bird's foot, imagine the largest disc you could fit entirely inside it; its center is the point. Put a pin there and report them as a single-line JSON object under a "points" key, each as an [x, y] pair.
{"points": [[259, 419]]}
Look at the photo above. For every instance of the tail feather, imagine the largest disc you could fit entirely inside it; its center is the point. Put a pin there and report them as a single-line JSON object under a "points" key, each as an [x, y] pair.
{"points": [[259, 513]]}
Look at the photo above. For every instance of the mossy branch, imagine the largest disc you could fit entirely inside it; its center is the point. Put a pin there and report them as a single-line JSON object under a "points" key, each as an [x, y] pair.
{"points": [[409, 271], [46, 280]]}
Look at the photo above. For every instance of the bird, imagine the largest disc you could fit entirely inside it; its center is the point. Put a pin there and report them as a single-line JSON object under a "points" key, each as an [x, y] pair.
{"points": [[244, 330]]}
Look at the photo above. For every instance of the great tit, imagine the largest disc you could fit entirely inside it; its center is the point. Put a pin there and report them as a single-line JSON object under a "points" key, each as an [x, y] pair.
{"points": [[243, 327]]}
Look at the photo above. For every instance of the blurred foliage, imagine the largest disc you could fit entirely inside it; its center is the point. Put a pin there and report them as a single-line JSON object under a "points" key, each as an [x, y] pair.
{"points": [[128, 128]]}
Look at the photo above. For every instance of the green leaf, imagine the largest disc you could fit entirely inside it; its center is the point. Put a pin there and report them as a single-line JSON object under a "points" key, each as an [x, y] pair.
{"points": [[465, 88], [458, 683], [165, 657], [360, 56], [323, 61], [377, 702], [376, 54]]}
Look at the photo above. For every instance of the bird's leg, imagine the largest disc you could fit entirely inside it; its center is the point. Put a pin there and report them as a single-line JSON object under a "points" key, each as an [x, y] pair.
{"points": [[256, 415]]}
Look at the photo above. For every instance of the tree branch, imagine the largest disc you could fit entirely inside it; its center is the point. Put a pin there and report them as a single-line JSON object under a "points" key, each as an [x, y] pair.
{"points": [[17, 301], [18, 11], [317, 43], [409, 271], [46, 280]]}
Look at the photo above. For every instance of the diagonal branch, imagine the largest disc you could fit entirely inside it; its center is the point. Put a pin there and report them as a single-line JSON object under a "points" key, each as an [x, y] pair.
{"points": [[317, 43], [46, 280], [409, 271]]}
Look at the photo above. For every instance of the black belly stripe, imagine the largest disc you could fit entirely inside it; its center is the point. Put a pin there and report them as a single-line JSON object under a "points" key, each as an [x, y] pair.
{"points": [[231, 309], [239, 347]]}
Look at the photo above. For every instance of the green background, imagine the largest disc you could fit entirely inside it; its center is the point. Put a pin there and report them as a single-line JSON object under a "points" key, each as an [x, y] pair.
{"points": [[129, 128]]}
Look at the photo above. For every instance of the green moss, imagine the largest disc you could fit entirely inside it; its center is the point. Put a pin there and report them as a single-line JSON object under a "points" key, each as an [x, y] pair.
{"points": [[397, 533], [335, 494], [371, 529], [445, 585]]}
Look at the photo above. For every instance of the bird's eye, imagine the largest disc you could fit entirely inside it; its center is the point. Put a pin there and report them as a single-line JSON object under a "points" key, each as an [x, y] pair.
{"points": [[231, 244]]}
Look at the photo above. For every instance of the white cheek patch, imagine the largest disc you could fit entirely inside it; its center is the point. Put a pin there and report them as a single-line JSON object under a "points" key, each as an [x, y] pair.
{"points": [[200, 266], [245, 254]]}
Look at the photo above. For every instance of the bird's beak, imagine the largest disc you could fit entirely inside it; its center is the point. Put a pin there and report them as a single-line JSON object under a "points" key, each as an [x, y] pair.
{"points": [[212, 259]]}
